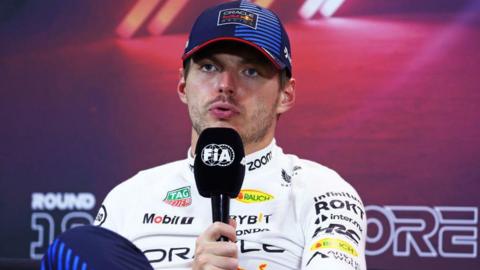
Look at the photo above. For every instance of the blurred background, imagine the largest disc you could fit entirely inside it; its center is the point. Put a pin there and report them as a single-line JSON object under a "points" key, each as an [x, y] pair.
{"points": [[387, 95]]}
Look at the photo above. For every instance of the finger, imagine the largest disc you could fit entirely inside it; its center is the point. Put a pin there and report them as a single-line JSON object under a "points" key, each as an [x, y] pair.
{"points": [[217, 229], [232, 223], [225, 249]]}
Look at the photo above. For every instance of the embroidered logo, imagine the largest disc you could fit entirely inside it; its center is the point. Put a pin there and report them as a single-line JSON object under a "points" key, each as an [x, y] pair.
{"points": [[259, 162], [286, 178], [180, 197], [237, 16], [101, 216], [253, 196], [332, 243]]}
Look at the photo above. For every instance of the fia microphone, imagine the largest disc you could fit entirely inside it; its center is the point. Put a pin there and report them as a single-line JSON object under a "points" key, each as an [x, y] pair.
{"points": [[219, 168]]}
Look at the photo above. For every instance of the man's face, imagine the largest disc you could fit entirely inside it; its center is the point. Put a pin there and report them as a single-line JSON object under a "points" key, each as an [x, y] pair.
{"points": [[233, 85]]}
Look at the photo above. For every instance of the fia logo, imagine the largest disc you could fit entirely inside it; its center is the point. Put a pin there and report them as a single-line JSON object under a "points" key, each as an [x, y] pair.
{"points": [[217, 155]]}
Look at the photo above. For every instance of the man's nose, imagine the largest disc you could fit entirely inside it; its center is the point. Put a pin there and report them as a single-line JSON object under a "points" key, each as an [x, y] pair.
{"points": [[227, 83]]}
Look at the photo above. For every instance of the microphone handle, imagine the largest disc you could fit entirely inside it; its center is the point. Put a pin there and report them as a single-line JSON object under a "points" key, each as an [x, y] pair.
{"points": [[221, 210]]}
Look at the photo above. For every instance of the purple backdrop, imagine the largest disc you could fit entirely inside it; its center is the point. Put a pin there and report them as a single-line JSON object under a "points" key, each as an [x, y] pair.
{"points": [[387, 96]]}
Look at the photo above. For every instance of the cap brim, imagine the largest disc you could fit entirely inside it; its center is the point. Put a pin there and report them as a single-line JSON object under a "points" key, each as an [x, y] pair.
{"points": [[260, 49]]}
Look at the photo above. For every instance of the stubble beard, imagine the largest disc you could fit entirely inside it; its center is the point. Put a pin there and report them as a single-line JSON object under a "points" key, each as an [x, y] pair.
{"points": [[258, 125]]}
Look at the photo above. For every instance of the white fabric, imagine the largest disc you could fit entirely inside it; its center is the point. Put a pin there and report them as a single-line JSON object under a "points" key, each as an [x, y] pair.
{"points": [[275, 234]]}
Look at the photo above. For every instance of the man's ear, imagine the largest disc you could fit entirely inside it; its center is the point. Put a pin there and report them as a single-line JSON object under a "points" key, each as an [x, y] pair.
{"points": [[287, 97], [181, 86]]}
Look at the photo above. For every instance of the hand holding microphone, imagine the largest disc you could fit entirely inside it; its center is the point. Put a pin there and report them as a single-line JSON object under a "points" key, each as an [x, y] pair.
{"points": [[219, 171]]}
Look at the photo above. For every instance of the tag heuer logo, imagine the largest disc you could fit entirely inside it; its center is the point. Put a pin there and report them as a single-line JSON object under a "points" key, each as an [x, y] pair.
{"points": [[180, 197]]}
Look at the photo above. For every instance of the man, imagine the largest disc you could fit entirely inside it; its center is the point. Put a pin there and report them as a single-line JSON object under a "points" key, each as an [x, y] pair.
{"points": [[290, 214]]}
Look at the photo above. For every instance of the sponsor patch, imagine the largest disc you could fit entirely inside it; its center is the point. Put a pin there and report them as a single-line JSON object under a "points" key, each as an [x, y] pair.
{"points": [[338, 229], [333, 243], [251, 219], [339, 256], [253, 196], [152, 218], [180, 197], [326, 205], [259, 162], [249, 246], [286, 178], [337, 194], [173, 254], [237, 16], [101, 216], [262, 266], [321, 255], [250, 231], [342, 257], [344, 218]]}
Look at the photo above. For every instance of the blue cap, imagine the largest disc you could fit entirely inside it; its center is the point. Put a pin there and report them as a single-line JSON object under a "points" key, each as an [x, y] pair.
{"points": [[244, 22]]}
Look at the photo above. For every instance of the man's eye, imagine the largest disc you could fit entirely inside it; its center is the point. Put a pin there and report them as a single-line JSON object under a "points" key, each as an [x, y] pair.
{"points": [[250, 72], [209, 67]]}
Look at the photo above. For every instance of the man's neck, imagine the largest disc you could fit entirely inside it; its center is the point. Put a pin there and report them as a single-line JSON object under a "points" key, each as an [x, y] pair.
{"points": [[249, 147]]}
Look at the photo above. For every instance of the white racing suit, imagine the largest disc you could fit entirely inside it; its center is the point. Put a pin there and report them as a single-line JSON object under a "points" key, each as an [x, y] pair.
{"points": [[291, 214]]}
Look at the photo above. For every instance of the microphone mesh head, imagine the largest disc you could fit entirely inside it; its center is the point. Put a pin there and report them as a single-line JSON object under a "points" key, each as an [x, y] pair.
{"points": [[218, 167]]}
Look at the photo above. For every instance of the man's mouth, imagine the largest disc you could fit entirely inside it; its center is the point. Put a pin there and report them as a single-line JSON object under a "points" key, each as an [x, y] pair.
{"points": [[223, 110]]}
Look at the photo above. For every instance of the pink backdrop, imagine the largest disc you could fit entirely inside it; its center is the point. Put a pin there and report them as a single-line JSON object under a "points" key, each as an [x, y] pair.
{"points": [[387, 96]]}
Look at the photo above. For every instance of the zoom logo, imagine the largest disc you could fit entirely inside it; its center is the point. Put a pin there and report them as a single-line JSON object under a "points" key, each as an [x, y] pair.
{"points": [[259, 162], [217, 155]]}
